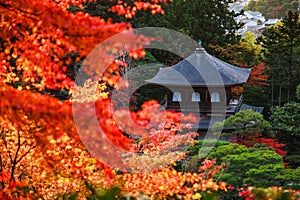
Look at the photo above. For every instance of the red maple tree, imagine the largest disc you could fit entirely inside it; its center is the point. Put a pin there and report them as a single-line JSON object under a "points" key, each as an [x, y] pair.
{"points": [[39, 141], [251, 139], [258, 75]]}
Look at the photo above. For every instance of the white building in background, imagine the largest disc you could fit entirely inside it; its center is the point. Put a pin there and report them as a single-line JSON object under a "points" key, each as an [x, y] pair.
{"points": [[270, 22], [253, 20]]}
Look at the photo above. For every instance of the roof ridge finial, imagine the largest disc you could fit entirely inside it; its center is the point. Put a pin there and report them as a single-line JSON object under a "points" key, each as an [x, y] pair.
{"points": [[200, 43], [200, 49]]}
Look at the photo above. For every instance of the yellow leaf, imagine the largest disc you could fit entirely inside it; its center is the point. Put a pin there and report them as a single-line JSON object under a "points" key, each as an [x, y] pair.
{"points": [[196, 196], [7, 51]]}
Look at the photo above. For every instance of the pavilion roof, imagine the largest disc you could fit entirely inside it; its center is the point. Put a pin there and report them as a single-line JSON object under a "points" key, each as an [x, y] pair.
{"points": [[201, 69]]}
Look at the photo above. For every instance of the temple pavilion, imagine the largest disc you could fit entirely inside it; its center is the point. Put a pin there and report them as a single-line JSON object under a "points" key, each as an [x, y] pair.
{"points": [[201, 84]]}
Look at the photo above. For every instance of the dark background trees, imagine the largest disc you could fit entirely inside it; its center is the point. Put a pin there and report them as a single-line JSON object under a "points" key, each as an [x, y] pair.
{"points": [[209, 21], [285, 122], [281, 51]]}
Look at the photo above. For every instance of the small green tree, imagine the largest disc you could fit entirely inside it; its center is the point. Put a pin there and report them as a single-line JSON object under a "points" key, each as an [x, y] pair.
{"points": [[260, 166], [243, 123]]}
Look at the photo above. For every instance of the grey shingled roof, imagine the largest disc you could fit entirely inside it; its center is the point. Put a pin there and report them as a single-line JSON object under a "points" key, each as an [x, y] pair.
{"points": [[249, 107], [201, 69]]}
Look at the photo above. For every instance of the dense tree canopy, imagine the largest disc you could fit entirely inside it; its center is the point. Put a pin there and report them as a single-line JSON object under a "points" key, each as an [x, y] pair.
{"points": [[245, 53], [209, 21], [281, 43], [284, 121]]}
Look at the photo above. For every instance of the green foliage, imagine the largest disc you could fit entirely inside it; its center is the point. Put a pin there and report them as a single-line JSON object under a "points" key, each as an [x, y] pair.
{"points": [[246, 52], [229, 149], [255, 95], [142, 70], [242, 167], [248, 165], [291, 177], [194, 150], [294, 159], [274, 193], [193, 159], [72, 196], [102, 194], [243, 123], [211, 195], [285, 120], [146, 93], [94, 193], [209, 20], [281, 43], [263, 175], [260, 166]]}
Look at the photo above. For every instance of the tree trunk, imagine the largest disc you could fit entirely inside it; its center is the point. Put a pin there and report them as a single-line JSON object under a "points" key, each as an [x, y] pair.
{"points": [[279, 98]]}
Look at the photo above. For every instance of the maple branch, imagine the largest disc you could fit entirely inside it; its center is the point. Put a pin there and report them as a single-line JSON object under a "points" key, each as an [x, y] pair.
{"points": [[25, 154], [15, 159], [21, 175], [1, 165], [1, 170]]}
